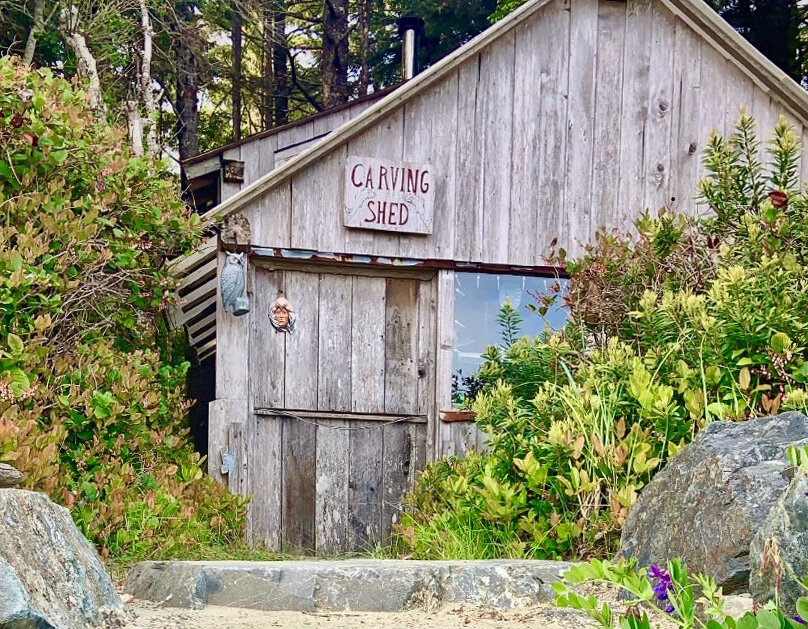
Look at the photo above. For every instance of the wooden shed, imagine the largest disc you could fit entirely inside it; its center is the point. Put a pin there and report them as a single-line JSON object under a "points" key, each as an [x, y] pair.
{"points": [[568, 114]]}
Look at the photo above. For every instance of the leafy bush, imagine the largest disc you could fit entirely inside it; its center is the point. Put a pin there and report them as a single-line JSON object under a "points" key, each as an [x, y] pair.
{"points": [[92, 406], [671, 595], [688, 322]]}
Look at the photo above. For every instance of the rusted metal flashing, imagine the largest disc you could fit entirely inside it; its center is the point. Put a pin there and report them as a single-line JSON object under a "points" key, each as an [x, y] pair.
{"points": [[303, 255]]}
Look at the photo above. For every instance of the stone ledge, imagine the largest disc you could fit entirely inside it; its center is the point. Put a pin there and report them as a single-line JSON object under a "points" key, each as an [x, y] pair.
{"points": [[356, 585]]}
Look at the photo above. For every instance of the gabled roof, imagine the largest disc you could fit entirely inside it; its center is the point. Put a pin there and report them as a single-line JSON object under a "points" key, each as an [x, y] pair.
{"points": [[696, 13], [219, 150]]}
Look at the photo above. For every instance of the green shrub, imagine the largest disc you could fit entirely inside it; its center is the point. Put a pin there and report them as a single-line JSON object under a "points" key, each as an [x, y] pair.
{"points": [[92, 405], [672, 597], [688, 322]]}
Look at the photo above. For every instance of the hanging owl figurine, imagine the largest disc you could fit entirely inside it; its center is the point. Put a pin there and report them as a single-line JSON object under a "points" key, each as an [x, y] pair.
{"points": [[233, 283]]}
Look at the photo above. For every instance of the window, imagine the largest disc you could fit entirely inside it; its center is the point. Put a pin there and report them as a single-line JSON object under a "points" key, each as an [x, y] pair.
{"points": [[478, 300]]}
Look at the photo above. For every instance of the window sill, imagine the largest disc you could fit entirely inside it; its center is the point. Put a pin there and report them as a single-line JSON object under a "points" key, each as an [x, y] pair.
{"points": [[457, 416]]}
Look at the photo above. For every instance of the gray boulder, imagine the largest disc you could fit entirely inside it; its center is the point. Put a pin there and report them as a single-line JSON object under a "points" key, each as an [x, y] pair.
{"points": [[779, 551], [50, 575], [712, 497], [9, 476]]}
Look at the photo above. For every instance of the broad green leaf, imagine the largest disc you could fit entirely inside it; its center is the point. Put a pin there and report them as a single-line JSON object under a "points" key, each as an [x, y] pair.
{"points": [[802, 607], [768, 620], [19, 381], [15, 344]]}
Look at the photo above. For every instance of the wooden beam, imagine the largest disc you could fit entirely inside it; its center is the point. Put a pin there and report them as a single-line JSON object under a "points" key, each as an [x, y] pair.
{"points": [[314, 416]]}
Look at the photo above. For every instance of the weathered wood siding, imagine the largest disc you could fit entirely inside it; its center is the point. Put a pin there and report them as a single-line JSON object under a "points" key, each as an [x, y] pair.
{"points": [[264, 154], [359, 373], [584, 115]]}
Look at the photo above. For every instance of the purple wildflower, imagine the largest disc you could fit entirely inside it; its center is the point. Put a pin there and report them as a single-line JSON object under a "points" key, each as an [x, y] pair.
{"points": [[661, 583]]}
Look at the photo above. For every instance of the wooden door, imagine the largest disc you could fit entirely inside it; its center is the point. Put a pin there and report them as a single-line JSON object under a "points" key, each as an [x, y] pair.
{"points": [[356, 378]]}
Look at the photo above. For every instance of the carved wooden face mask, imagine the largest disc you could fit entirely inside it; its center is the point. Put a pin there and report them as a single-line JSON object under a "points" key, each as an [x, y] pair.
{"points": [[282, 315]]}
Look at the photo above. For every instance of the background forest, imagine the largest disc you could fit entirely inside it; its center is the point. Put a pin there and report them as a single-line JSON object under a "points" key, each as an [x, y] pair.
{"points": [[188, 75]]}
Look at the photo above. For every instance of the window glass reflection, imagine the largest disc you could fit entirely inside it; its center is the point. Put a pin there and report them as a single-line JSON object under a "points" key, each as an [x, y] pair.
{"points": [[478, 300]]}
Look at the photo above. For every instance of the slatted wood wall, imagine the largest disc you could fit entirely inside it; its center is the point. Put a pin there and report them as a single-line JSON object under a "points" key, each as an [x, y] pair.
{"points": [[584, 115], [361, 357]]}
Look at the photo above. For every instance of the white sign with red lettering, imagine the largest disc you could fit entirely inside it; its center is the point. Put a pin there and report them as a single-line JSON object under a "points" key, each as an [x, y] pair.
{"points": [[387, 195]]}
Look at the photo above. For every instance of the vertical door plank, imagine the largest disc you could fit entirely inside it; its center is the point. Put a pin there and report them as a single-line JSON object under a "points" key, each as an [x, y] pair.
{"points": [[367, 385], [237, 446], [333, 466], [264, 524], [299, 438], [367, 344], [397, 464], [442, 440], [400, 372], [334, 365], [365, 485], [427, 343], [334, 394], [685, 141], [633, 123], [267, 361], [299, 483], [496, 99], [468, 167], [300, 378], [583, 51], [608, 98], [418, 433]]}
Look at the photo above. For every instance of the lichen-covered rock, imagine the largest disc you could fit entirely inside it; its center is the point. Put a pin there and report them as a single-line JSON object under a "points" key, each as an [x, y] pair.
{"points": [[779, 551], [9, 476], [366, 585], [712, 497], [50, 575]]}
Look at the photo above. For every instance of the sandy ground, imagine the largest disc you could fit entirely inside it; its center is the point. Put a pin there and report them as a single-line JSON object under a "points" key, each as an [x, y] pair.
{"points": [[151, 616], [147, 616]]}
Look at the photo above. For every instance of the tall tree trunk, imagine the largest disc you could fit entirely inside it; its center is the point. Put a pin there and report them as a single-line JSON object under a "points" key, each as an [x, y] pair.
{"points": [[266, 66], [146, 88], [364, 46], [135, 125], [85, 62], [187, 82], [37, 27], [280, 72], [334, 64], [236, 36]]}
